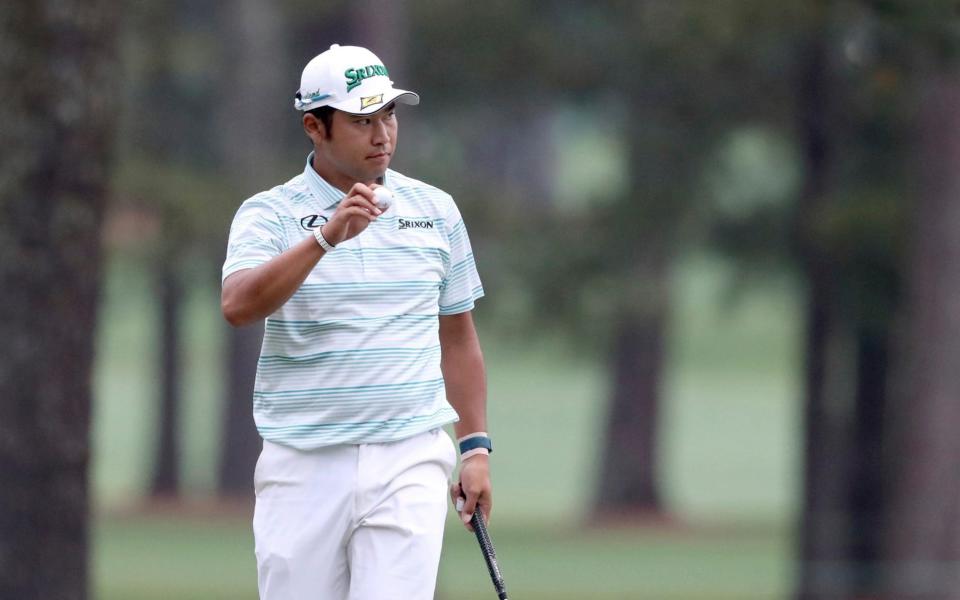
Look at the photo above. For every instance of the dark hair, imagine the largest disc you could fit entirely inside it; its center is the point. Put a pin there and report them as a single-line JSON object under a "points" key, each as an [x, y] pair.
{"points": [[325, 115]]}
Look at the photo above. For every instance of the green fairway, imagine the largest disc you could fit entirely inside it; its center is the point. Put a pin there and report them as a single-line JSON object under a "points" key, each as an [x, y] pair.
{"points": [[569, 563], [729, 440], [174, 557], [161, 557]]}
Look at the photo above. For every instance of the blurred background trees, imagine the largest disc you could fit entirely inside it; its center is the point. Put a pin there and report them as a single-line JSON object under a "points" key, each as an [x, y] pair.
{"points": [[59, 72], [597, 151]]}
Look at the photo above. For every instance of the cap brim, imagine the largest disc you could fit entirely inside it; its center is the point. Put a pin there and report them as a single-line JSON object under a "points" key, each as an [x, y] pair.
{"points": [[367, 105]]}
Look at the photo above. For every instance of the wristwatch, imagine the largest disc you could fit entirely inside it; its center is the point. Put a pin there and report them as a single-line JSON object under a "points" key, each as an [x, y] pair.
{"points": [[327, 246]]}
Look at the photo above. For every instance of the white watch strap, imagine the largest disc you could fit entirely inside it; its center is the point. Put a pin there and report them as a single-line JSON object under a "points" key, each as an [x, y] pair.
{"points": [[327, 246]]}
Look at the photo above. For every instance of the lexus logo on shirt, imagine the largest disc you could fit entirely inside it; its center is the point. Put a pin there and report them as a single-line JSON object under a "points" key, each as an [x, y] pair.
{"points": [[311, 222]]}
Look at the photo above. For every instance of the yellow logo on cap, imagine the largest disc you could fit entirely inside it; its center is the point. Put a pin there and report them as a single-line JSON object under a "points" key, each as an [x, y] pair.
{"points": [[370, 101]]}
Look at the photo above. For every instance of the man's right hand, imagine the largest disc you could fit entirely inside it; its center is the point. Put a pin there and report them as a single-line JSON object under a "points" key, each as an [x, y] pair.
{"points": [[352, 216], [253, 294]]}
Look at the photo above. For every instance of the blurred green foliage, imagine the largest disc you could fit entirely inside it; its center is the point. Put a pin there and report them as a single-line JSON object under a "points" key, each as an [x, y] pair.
{"points": [[597, 151], [583, 141]]}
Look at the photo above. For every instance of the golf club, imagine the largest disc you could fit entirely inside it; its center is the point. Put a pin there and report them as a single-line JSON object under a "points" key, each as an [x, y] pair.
{"points": [[486, 546]]}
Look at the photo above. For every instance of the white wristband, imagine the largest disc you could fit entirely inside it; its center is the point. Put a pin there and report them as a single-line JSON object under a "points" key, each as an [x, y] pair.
{"points": [[473, 435], [327, 246], [474, 452]]}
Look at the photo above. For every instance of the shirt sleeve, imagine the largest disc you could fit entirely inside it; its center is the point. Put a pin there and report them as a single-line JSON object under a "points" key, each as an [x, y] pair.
{"points": [[256, 236], [461, 283]]}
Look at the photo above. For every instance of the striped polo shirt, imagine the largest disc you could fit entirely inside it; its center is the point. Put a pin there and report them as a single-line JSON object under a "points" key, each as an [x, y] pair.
{"points": [[354, 355]]}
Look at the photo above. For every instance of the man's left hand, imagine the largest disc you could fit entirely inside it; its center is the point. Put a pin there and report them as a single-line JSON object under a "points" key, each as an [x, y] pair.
{"points": [[474, 487]]}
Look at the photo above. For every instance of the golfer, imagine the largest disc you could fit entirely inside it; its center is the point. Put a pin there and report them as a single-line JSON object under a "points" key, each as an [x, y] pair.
{"points": [[369, 350]]}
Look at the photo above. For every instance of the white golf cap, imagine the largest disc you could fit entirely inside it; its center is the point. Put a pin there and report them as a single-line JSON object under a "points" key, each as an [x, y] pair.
{"points": [[348, 78]]}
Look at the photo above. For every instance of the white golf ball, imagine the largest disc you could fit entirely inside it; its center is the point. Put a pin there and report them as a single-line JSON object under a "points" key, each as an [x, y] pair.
{"points": [[384, 197]]}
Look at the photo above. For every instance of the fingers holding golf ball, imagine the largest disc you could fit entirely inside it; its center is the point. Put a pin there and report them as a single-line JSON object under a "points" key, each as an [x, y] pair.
{"points": [[383, 197], [352, 216]]}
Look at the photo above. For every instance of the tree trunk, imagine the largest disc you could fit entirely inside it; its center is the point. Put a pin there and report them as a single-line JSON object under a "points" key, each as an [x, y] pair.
{"points": [[158, 139], [58, 73], [823, 525], [241, 442], [166, 469], [641, 240], [867, 464], [250, 149], [923, 521], [629, 482]]}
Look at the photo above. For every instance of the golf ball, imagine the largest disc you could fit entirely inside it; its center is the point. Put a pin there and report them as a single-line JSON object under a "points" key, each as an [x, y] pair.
{"points": [[384, 198]]}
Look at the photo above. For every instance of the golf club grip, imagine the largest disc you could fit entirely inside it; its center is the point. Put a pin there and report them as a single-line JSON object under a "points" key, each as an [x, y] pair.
{"points": [[489, 554]]}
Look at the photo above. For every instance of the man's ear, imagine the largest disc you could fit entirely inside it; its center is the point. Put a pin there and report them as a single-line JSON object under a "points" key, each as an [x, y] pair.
{"points": [[314, 127]]}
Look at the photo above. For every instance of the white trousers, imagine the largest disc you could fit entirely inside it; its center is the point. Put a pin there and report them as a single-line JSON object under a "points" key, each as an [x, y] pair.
{"points": [[352, 522]]}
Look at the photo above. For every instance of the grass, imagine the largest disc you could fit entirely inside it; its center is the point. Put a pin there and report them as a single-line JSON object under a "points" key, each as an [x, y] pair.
{"points": [[150, 557], [154, 557], [728, 459], [561, 563]]}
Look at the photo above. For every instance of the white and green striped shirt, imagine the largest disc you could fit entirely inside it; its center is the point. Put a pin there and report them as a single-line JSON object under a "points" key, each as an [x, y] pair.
{"points": [[354, 355]]}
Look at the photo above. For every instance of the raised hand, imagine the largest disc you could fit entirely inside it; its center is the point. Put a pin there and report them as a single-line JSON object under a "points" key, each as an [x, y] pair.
{"points": [[352, 216]]}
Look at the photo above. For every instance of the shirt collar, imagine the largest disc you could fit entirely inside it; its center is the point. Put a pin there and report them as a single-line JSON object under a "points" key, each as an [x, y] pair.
{"points": [[327, 194]]}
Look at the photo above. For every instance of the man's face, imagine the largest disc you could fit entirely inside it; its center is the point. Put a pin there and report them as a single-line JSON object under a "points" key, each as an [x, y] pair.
{"points": [[358, 148]]}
